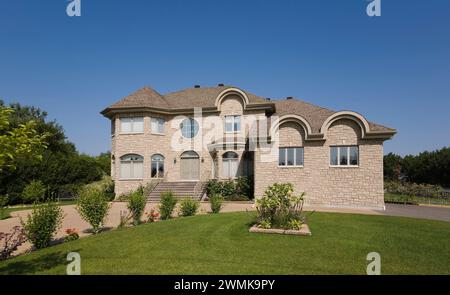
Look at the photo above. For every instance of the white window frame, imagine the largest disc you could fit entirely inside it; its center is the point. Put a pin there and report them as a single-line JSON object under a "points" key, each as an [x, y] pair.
{"points": [[156, 122], [339, 165], [132, 123], [132, 163], [295, 156], [233, 122], [158, 164]]}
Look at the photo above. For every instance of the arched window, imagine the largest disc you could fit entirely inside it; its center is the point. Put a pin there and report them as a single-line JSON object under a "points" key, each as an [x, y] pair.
{"points": [[230, 155], [157, 166], [189, 128], [131, 167], [230, 165]]}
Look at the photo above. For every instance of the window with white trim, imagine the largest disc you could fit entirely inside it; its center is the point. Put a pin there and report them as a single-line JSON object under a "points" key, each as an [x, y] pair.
{"points": [[131, 167], [291, 156], [344, 156], [157, 125], [232, 123], [132, 125], [157, 166]]}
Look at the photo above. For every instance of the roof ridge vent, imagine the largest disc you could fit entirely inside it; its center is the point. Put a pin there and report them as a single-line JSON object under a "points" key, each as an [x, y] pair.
{"points": [[196, 86]]}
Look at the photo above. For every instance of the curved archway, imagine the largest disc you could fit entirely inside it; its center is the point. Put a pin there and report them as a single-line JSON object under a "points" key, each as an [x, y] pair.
{"points": [[350, 115], [231, 91], [304, 124]]}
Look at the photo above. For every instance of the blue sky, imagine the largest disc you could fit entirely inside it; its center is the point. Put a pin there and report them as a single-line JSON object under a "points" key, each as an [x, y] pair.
{"points": [[394, 69]]}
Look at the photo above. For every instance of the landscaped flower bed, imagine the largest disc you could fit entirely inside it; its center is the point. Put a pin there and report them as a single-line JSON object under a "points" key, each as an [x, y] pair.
{"points": [[303, 231], [281, 212]]}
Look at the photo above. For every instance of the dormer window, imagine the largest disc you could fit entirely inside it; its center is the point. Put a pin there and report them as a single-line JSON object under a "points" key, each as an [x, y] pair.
{"points": [[232, 124]]}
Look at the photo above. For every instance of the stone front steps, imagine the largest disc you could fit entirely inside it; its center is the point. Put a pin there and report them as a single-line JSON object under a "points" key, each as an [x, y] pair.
{"points": [[181, 189]]}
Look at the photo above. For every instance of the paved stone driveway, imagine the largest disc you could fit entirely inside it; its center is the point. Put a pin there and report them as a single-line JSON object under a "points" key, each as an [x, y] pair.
{"points": [[73, 220]]}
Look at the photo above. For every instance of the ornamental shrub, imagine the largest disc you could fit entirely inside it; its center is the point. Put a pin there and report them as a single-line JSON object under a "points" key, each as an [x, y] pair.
{"points": [[216, 202], [239, 189], [11, 241], [167, 205], [93, 207], [188, 207], [136, 205], [280, 208], [42, 224]]}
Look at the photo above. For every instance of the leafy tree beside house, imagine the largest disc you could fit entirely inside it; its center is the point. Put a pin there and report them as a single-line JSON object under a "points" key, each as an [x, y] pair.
{"points": [[18, 142], [60, 168]]}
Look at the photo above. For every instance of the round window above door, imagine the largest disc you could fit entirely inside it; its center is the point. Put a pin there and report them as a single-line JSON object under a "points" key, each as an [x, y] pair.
{"points": [[189, 128]]}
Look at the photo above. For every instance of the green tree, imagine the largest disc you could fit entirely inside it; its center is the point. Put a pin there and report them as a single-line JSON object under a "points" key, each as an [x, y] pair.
{"points": [[392, 166], [61, 169], [18, 142]]}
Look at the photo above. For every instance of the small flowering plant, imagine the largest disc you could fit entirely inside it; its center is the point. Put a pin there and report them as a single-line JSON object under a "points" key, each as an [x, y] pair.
{"points": [[72, 235], [9, 242], [153, 215]]}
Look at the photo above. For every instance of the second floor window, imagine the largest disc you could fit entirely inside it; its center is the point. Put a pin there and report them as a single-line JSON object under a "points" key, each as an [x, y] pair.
{"points": [[292, 156], [232, 123], [189, 128], [344, 156], [158, 125], [132, 125]]}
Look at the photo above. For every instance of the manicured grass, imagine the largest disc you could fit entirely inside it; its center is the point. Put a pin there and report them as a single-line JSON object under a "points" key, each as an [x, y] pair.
{"points": [[221, 244], [7, 211], [414, 200]]}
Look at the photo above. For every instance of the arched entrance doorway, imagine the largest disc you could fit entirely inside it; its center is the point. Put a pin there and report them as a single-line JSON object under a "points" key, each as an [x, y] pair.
{"points": [[190, 166]]}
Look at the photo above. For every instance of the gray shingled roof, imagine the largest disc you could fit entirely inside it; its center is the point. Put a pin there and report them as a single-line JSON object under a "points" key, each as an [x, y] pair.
{"points": [[187, 98], [315, 115], [206, 96]]}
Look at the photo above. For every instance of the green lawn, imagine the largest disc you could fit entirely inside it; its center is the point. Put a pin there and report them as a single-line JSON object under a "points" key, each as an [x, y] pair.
{"points": [[7, 211], [221, 244]]}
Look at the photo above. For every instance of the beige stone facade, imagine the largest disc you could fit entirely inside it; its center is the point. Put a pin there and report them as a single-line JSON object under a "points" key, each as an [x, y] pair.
{"points": [[314, 129]]}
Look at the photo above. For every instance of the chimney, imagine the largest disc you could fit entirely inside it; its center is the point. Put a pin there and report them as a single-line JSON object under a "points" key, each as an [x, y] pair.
{"points": [[289, 97], [196, 86]]}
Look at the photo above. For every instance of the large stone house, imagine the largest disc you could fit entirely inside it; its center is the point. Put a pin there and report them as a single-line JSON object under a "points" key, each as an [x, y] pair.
{"points": [[182, 139]]}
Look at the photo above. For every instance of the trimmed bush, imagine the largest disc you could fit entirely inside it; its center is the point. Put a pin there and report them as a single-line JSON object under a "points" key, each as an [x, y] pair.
{"points": [[188, 207], [280, 208], [42, 224], [167, 205], [136, 205], [216, 203], [34, 192], [93, 207], [240, 189]]}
